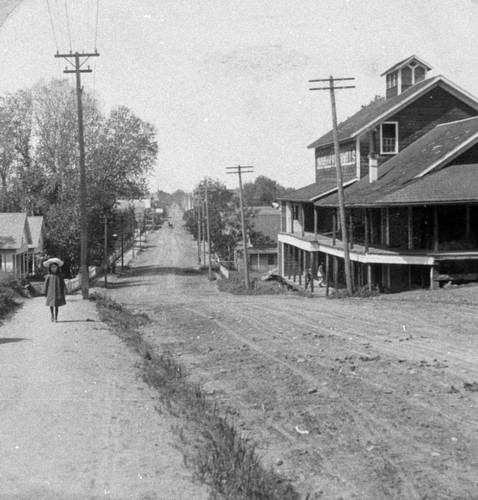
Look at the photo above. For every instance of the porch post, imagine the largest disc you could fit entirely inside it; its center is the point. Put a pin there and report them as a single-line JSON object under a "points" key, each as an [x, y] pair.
{"points": [[433, 274], [366, 230], [287, 263], [410, 228], [435, 229], [312, 270], [334, 228], [302, 219], [387, 226], [301, 265], [294, 254], [336, 273], [351, 224], [372, 227], [327, 262], [468, 220], [315, 222], [369, 276]]}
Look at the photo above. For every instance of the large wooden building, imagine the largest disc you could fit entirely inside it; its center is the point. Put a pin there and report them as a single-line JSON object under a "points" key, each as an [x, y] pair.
{"points": [[410, 170]]}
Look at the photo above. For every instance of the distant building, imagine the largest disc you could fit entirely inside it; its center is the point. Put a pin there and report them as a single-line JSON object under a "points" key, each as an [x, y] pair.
{"points": [[262, 258], [15, 239], [38, 234], [410, 175]]}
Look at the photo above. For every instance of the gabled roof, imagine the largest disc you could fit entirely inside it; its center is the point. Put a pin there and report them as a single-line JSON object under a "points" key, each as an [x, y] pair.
{"points": [[455, 183], [406, 61], [381, 109], [36, 229], [13, 228], [430, 152]]}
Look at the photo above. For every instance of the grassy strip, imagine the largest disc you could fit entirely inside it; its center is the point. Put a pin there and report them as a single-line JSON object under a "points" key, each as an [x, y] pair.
{"points": [[236, 285], [211, 444], [10, 289]]}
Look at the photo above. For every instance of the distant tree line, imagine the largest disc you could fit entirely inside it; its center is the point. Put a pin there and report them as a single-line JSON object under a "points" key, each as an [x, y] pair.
{"points": [[224, 219], [39, 162]]}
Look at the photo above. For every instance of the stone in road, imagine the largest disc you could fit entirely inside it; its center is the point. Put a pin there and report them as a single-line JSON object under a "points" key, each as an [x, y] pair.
{"points": [[76, 421]]}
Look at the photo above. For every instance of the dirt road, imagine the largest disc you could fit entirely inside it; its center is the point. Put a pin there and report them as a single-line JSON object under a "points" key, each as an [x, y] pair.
{"points": [[347, 399], [76, 421]]}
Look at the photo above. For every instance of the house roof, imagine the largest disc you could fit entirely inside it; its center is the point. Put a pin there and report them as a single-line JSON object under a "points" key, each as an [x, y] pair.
{"points": [[381, 109], [455, 183], [36, 228], [406, 61], [430, 152], [315, 191], [12, 230]]}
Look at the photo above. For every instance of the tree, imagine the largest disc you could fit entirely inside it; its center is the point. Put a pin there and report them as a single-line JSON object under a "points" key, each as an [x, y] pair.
{"points": [[39, 160], [263, 191]]}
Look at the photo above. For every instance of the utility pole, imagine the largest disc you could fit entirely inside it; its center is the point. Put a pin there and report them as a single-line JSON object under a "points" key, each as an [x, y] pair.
{"points": [[122, 241], [198, 206], [338, 168], [208, 233], [239, 170], [77, 64], [105, 250]]}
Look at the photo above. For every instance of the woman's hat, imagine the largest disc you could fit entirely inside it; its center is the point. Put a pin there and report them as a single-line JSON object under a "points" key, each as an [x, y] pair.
{"points": [[53, 260]]}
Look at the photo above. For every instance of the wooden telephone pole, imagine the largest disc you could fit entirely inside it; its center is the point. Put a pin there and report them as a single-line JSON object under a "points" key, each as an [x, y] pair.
{"points": [[75, 61], [239, 170], [338, 168]]}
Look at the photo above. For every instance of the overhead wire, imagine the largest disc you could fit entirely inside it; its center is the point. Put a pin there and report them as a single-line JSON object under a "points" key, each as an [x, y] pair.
{"points": [[96, 27], [52, 25], [68, 24]]}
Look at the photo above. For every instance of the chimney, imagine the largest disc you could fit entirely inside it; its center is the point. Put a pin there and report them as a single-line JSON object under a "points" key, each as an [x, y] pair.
{"points": [[372, 167], [372, 156]]}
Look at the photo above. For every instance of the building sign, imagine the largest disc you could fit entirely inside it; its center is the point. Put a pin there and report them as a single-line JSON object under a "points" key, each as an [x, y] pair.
{"points": [[347, 157]]}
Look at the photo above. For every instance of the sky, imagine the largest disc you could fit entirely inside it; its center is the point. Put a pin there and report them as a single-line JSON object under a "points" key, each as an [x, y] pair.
{"points": [[225, 82]]}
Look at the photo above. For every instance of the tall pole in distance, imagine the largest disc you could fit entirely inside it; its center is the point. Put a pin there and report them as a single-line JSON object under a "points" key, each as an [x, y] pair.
{"points": [[198, 206], [208, 232], [81, 141], [122, 240], [105, 249], [338, 169], [239, 170]]}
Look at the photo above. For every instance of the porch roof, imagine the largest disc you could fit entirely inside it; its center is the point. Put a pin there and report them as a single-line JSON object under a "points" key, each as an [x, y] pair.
{"points": [[13, 228], [311, 192], [429, 153], [456, 183]]}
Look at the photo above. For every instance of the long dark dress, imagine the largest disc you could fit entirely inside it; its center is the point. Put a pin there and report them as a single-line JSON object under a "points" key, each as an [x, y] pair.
{"points": [[54, 290]]}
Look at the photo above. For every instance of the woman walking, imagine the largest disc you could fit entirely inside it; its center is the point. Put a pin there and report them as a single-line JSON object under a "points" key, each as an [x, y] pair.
{"points": [[54, 287]]}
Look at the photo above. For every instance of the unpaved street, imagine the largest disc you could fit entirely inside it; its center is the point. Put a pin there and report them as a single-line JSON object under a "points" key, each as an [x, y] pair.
{"points": [[345, 398], [76, 420]]}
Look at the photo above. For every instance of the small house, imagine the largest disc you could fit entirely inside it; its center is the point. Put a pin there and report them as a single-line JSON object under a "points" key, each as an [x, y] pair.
{"points": [[15, 238]]}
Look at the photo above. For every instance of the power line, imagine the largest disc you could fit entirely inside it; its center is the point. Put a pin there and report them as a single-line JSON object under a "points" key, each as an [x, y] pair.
{"points": [[68, 24], [96, 28], [52, 25]]}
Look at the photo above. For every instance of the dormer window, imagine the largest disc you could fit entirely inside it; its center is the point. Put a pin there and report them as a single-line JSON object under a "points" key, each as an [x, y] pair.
{"points": [[389, 138], [392, 80]]}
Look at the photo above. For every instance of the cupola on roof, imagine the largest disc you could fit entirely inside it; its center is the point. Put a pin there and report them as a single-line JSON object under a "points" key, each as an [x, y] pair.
{"points": [[405, 74]]}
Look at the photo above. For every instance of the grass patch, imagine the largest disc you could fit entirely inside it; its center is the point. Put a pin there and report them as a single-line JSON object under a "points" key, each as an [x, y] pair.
{"points": [[10, 290], [211, 444], [361, 293], [236, 285]]}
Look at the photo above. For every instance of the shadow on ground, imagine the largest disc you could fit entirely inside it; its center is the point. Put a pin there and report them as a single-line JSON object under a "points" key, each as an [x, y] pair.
{"points": [[11, 340], [160, 270]]}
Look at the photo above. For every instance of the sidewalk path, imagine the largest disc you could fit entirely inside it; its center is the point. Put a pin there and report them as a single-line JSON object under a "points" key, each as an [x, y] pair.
{"points": [[76, 421]]}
